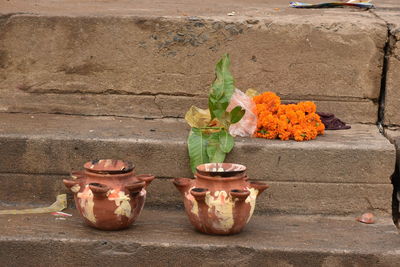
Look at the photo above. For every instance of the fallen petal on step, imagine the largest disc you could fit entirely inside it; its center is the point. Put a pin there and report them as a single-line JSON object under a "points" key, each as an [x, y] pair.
{"points": [[367, 218], [60, 213]]}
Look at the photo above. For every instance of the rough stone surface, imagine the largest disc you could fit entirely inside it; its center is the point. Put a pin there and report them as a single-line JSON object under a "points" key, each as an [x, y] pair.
{"points": [[30, 189], [392, 103], [159, 106], [128, 49], [281, 197], [394, 136], [339, 173], [161, 238], [55, 144], [82, 104], [327, 198], [392, 92], [298, 197]]}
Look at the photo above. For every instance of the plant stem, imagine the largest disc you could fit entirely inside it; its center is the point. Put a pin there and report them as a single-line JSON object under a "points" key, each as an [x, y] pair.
{"points": [[216, 128]]}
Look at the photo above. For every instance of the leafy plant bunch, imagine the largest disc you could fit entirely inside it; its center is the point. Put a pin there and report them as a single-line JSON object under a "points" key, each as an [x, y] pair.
{"points": [[209, 139]]}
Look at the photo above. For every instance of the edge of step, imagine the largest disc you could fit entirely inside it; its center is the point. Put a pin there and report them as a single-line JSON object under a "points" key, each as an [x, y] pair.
{"points": [[281, 198], [177, 52], [56, 144], [162, 237], [340, 173]]}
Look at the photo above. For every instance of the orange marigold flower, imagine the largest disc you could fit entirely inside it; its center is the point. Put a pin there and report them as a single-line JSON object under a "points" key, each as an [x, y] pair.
{"points": [[292, 121], [307, 107], [269, 99]]}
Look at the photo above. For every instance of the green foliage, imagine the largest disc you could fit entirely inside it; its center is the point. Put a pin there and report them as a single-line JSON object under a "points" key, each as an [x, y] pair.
{"points": [[214, 149], [226, 141], [222, 89], [211, 144], [197, 146], [237, 114]]}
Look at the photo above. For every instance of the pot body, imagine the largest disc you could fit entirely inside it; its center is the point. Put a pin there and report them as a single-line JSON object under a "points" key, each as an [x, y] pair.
{"points": [[109, 200], [219, 204]]}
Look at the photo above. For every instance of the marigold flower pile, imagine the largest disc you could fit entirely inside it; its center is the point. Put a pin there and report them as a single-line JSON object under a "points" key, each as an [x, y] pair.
{"points": [[291, 121]]}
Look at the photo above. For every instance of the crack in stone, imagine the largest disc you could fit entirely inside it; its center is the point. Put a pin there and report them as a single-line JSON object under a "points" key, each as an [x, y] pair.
{"points": [[96, 115], [84, 115], [386, 54], [158, 106], [395, 177], [30, 89], [382, 95]]}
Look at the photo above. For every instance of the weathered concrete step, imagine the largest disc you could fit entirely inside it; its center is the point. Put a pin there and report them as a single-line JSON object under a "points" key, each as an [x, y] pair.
{"points": [[158, 106], [281, 197], [390, 13], [340, 172], [166, 238], [55, 144], [110, 55]]}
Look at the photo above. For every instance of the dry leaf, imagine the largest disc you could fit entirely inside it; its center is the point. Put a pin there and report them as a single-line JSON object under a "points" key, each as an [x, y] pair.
{"points": [[59, 205], [197, 117], [252, 92]]}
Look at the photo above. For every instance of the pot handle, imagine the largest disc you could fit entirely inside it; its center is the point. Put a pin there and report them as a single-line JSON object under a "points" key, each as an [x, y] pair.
{"points": [[239, 194], [75, 175], [182, 184], [135, 187], [199, 193], [147, 178], [99, 190], [72, 185], [260, 186]]}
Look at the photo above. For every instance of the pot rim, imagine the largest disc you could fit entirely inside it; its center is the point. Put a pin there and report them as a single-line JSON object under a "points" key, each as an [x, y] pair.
{"points": [[109, 166], [106, 175], [220, 169], [221, 178]]}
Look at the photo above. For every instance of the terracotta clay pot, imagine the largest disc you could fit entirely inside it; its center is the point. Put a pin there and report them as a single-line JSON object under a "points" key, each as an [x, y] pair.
{"points": [[108, 194], [220, 200]]}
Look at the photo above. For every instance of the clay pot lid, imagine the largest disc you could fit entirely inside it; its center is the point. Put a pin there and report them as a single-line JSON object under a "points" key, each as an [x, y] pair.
{"points": [[109, 166], [221, 169]]}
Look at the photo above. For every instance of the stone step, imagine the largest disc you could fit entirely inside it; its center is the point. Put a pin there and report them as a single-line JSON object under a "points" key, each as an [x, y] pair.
{"points": [[156, 58], [341, 172], [166, 238], [389, 11]]}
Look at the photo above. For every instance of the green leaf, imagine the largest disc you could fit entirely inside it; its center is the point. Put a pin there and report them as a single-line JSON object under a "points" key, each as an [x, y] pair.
{"points": [[212, 144], [224, 81], [219, 156], [226, 141], [226, 119], [237, 114], [197, 146], [214, 152], [213, 147], [219, 113], [222, 89]]}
